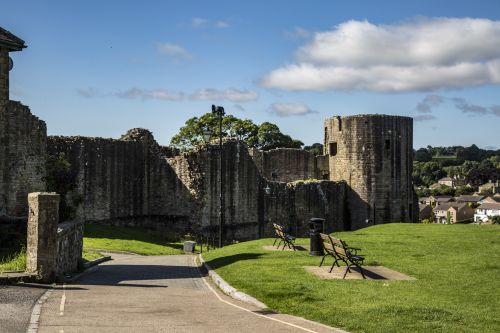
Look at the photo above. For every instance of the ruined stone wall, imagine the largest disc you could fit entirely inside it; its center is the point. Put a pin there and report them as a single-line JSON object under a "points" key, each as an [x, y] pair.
{"points": [[287, 164], [4, 76], [69, 247], [373, 154], [248, 210], [293, 204], [22, 157], [131, 182], [123, 181]]}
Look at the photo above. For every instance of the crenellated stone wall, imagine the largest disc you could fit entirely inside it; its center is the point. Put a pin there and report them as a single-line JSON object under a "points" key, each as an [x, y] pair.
{"points": [[22, 157]]}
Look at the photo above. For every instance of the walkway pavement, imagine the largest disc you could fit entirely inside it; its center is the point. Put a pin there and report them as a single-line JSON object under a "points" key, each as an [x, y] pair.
{"points": [[16, 302], [156, 294]]}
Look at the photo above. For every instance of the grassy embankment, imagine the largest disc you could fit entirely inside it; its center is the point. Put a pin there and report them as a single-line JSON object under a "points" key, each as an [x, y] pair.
{"points": [[134, 240], [104, 237], [456, 267], [14, 261]]}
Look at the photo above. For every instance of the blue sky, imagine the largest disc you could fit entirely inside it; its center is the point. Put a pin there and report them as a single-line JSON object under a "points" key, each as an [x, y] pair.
{"points": [[99, 68]]}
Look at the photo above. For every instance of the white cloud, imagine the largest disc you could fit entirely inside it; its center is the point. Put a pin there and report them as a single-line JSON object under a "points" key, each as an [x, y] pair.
{"points": [[233, 95], [176, 52], [199, 22], [419, 55], [297, 33], [290, 109], [160, 94], [239, 107], [90, 92], [221, 24], [464, 106], [495, 109], [430, 102], [424, 117]]}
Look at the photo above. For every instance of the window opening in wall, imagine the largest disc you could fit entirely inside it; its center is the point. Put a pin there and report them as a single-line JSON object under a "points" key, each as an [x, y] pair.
{"points": [[333, 148], [340, 124], [387, 144]]}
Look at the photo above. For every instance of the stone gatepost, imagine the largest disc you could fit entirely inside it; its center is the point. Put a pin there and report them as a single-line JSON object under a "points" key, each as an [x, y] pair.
{"points": [[42, 234]]}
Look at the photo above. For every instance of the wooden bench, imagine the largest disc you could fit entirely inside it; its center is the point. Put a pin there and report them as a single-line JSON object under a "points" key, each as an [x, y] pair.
{"points": [[340, 251], [282, 236]]}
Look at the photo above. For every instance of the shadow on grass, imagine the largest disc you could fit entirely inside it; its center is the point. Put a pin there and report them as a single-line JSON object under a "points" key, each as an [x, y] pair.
{"points": [[228, 260], [128, 233]]}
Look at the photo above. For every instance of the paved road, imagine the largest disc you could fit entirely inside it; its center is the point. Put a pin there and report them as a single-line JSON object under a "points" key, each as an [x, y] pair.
{"points": [[155, 294], [16, 303]]}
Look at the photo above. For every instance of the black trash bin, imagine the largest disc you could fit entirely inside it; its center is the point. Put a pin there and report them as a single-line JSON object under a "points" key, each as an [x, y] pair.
{"points": [[315, 228]]}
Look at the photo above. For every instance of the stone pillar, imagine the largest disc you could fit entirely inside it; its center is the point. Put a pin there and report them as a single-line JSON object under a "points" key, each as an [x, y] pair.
{"points": [[42, 234]]}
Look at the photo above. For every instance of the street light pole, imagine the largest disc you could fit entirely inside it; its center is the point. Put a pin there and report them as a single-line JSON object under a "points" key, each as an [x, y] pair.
{"points": [[219, 111]]}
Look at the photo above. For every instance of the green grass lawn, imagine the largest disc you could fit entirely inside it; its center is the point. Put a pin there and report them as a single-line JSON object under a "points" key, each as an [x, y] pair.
{"points": [[88, 256], [134, 240], [457, 286], [15, 261]]}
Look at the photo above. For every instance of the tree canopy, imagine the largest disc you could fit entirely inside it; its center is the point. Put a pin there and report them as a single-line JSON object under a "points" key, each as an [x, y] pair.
{"points": [[264, 136]]}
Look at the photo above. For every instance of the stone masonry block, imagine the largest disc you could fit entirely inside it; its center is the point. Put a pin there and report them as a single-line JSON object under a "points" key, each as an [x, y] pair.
{"points": [[42, 234]]}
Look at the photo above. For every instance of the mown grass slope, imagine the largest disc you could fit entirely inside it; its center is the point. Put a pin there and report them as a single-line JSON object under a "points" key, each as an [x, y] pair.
{"points": [[140, 241], [457, 286]]}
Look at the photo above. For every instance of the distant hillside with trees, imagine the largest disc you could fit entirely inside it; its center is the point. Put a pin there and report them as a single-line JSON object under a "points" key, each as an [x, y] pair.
{"points": [[477, 166]]}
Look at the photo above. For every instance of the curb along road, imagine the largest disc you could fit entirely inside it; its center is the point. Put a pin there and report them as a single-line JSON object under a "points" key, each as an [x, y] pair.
{"points": [[228, 289]]}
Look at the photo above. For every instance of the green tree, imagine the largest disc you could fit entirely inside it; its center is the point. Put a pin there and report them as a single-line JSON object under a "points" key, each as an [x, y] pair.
{"points": [[422, 155], [269, 137], [464, 190], [443, 190], [266, 136], [315, 148]]}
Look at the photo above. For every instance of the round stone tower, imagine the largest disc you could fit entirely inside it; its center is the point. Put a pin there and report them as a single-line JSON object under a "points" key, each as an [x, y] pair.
{"points": [[374, 155]]}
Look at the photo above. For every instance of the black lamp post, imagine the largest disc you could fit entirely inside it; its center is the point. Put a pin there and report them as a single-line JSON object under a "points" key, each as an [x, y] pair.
{"points": [[219, 111]]}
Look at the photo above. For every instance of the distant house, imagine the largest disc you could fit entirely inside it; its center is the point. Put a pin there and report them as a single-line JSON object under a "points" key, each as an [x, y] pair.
{"points": [[441, 199], [452, 182], [435, 186], [424, 200], [487, 211], [469, 199], [424, 212], [490, 186], [435, 200], [446, 181], [493, 199], [457, 212]]}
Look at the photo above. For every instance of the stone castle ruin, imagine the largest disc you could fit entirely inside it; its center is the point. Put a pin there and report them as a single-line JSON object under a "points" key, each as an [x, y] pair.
{"points": [[364, 178]]}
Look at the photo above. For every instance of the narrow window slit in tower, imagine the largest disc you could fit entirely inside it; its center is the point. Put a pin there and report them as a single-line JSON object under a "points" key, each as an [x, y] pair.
{"points": [[333, 148]]}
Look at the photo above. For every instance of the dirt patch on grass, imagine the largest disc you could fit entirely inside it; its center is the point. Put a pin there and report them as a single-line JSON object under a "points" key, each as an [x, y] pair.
{"points": [[371, 273], [274, 248]]}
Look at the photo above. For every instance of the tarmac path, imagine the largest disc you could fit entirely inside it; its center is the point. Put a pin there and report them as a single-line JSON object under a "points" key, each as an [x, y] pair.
{"points": [[156, 294], [16, 302]]}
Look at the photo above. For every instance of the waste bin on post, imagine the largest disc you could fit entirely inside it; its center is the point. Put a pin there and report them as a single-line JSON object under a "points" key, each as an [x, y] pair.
{"points": [[315, 228]]}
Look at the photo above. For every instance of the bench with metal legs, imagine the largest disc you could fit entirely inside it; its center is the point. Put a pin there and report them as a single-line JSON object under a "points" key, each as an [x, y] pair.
{"points": [[340, 251], [283, 237]]}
